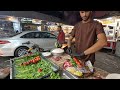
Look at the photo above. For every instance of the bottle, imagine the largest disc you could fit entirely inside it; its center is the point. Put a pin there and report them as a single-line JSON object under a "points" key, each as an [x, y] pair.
{"points": [[90, 66]]}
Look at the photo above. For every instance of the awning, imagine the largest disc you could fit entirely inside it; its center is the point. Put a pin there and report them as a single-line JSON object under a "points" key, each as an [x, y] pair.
{"points": [[31, 14]]}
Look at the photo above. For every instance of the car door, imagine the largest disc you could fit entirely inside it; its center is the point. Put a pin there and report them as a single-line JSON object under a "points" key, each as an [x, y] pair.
{"points": [[49, 40], [39, 40], [46, 40], [29, 37]]}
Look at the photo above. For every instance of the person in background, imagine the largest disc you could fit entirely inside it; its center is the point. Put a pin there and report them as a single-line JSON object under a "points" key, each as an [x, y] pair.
{"points": [[61, 36], [89, 37]]}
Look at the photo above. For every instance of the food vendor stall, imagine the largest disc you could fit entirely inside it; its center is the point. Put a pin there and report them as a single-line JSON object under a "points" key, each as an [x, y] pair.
{"points": [[55, 64], [66, 60]]}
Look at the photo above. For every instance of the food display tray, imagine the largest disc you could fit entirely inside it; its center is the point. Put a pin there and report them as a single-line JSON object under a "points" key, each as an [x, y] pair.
{"points": [[13, 70]]}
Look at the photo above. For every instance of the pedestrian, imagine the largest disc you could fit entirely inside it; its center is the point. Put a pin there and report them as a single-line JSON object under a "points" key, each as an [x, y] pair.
{"points": [[60, 37], [89, 37]]}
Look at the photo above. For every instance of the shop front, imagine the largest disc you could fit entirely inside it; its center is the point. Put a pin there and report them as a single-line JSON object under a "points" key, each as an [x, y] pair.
{"points": [[110, 25], [30, 24], [26, 20], [9, 25]]}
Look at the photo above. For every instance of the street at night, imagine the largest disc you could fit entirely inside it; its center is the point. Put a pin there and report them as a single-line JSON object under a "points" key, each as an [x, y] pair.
{"points": [[46, 44]]}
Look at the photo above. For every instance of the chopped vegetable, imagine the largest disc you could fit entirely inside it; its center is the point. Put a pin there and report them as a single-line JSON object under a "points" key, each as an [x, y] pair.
{"points": [[39, 70], [27, 68], [79, 64], [67, 64], [54, 75]]}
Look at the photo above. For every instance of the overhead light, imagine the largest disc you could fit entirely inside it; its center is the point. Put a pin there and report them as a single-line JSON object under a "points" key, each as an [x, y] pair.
{"points": [[95, 19], [36, 21], [11, 18], [109, 18]]}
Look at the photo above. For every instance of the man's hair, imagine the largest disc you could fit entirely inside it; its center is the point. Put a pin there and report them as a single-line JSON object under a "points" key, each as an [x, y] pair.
{"points": [[59, 26]]}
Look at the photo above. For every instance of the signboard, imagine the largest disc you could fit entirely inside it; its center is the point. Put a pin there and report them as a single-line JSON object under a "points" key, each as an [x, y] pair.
{"points": [[107, 22], [26, 20]]}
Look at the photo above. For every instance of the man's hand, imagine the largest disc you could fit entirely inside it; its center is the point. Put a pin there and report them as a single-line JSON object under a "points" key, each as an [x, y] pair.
{"points": [[69, 50], [80, 56], [58, 45]]}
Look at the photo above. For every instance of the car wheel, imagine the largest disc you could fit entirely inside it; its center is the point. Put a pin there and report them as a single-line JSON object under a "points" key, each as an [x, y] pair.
{"points": [[21, 51]]}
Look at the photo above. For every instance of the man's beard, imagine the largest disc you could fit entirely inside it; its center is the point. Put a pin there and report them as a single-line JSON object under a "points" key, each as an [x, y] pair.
{"points": [[85, 18]]}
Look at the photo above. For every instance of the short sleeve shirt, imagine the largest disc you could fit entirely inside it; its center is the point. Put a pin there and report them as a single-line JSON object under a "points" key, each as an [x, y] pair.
{"points": [[61, 37], [86, 35]]}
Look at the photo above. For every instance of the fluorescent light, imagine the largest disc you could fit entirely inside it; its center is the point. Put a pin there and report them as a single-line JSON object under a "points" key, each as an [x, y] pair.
{"points": [[109, 18]]}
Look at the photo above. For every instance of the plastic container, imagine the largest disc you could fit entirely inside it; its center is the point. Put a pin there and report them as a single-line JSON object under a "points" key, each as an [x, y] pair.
{"points": [[90, 66]]}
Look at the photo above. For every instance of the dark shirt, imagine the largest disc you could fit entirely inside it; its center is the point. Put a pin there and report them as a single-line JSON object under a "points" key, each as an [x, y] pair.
{"points": [[86, 35], [61, 37]]}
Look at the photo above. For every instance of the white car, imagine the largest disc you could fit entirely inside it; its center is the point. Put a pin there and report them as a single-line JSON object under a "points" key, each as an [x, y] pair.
{"points": [[13, 45]]}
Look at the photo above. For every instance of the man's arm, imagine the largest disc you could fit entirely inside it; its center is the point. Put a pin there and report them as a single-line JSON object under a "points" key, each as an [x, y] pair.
{"points": [[72, 35], [70, 41], [102, 41]]}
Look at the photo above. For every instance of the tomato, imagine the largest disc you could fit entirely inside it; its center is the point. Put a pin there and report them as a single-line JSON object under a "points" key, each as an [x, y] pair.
{"points": [[39, 70], [34, 61], [27, 63], [38, 58], [31, 61]]}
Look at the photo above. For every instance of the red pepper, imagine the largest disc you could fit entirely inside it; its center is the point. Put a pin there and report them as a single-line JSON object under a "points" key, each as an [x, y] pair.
{"points": [[79, 64]]}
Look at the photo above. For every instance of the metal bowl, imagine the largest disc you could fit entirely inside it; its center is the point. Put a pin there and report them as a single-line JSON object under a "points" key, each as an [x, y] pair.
{"points": [[57, 53]]}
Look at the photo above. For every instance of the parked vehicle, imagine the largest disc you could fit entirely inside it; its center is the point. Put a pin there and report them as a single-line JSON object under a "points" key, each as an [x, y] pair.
{"points": [[12, 45]]}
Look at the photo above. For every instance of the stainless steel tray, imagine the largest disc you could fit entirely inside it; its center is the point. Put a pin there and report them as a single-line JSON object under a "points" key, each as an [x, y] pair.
{"points": [[12, 68], [67, 75]]}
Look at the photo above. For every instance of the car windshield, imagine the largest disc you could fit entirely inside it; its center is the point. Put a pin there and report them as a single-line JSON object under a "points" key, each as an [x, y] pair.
{"points": [[5, 34]]}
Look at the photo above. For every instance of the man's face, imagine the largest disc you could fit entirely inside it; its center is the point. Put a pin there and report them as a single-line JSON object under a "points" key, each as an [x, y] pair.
{"points": [[58, 29], [85, 15]]}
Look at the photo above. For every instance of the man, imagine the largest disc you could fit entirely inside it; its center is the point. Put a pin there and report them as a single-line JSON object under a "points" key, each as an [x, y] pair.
{"points": [[61, 36], [86, 34]]}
